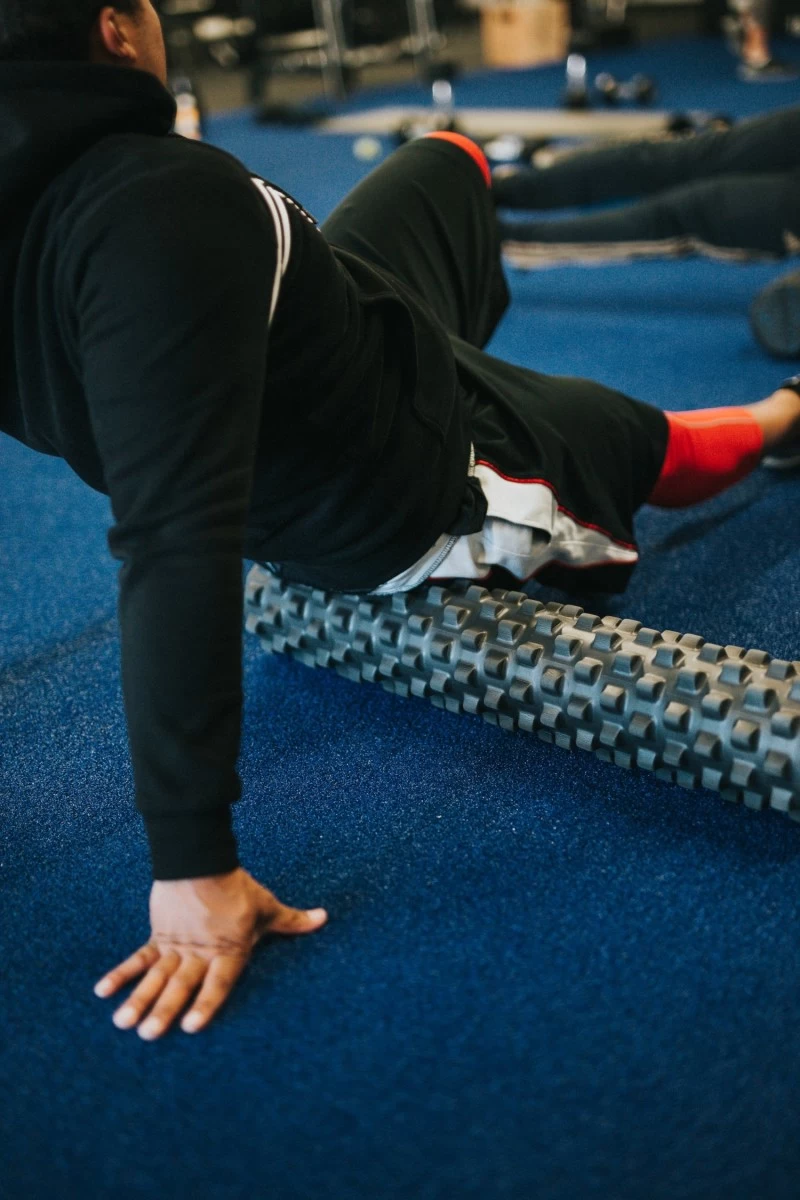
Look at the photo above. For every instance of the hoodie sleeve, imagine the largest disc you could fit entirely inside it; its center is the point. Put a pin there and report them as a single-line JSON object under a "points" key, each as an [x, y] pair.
{"points": [[176, 283]]}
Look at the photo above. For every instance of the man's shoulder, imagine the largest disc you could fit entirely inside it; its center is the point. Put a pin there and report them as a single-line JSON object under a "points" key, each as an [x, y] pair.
{"points": [[130, 183], [139, 160]]}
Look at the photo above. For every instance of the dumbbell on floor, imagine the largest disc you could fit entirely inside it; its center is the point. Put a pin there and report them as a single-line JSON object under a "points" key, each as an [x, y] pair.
{"points": [[639, 89]]}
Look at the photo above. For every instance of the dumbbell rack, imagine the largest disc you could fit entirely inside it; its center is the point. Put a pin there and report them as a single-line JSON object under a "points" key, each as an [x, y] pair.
{"points": [[325, 48]]}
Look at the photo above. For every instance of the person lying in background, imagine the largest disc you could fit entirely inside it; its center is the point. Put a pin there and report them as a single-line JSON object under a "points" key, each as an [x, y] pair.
{"points": [[731, 193]]}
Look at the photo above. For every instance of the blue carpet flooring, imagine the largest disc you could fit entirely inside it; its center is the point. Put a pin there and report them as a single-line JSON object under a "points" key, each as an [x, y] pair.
{"points": [[544, 978]]}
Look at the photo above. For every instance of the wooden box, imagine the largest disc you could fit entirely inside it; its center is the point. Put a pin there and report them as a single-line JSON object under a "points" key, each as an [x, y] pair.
{"points": [[523, 33]]}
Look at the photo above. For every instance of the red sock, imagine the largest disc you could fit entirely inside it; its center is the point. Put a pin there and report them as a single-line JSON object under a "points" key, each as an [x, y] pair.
{"points": [[471, 148], [708, 450]]}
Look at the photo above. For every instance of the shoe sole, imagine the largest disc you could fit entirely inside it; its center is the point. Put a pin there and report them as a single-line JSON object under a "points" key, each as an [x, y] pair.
{"points": [[778, 73], [775, 318], [774, 462]]}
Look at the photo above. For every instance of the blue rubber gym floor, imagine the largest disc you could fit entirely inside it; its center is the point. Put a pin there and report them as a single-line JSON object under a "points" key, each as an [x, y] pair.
{"points": [[543, 978]]}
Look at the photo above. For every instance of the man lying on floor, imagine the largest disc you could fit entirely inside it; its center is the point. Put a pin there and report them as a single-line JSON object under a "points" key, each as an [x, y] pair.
{"points": [[242, 384], [730, 193]]}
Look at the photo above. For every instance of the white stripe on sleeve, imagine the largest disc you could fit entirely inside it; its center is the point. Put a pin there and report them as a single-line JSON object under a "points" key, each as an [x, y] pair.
{"points": [[283, 237]]}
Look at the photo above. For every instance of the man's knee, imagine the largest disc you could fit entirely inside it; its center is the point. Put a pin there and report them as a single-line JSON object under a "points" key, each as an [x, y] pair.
{"points": [[471, 148]]}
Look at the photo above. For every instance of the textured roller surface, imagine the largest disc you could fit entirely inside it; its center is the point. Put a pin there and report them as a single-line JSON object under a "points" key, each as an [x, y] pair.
{"points": [[693, 712]]}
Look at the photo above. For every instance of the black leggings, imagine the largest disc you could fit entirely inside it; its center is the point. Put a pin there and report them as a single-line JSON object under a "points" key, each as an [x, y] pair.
{"points": [[737, 189]]}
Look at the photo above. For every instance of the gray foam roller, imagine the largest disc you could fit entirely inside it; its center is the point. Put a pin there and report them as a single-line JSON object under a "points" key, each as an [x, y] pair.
{"points": [[693, 712]]}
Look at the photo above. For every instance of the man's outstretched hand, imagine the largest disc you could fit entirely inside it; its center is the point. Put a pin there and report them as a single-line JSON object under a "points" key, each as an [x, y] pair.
{"points": [[204, 931]]}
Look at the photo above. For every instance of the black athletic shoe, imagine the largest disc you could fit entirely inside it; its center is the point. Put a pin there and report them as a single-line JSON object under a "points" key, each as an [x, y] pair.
{"points": [[775, 316], [787, 457]]}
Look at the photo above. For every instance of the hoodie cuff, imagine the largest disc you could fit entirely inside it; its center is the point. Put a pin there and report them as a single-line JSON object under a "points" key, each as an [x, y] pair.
{"points": [[190, 845]]}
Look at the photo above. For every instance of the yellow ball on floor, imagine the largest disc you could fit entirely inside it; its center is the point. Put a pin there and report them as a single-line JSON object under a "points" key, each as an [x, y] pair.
{"points": [[367, 148]]}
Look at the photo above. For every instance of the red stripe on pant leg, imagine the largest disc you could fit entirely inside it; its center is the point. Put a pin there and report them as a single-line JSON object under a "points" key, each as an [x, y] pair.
{"points": [[471, 148], [707, 451]]}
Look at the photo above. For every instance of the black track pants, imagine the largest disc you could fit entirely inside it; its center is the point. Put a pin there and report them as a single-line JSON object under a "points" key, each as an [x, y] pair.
{"points": [[427, 216]]}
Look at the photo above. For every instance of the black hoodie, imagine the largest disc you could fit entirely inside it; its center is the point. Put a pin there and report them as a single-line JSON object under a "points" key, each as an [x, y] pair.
{"points": [[186, 340]]}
